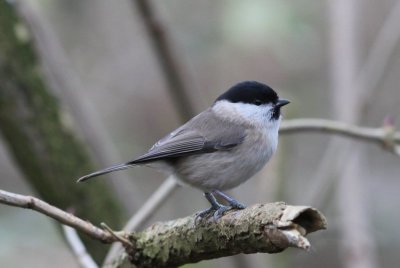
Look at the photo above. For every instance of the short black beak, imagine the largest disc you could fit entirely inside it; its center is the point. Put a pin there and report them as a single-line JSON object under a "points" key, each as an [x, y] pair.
{"points": [[282, 102]]}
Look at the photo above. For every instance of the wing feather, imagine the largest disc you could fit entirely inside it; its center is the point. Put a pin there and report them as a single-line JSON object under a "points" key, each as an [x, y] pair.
{"points": [[183, 143]]}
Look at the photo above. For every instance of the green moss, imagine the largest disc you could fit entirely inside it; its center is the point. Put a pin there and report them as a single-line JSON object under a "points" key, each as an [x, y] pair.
{"points": [[50, 157]]}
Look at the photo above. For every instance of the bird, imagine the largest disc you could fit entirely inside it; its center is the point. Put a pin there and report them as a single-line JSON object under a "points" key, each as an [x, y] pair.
{"points": [[221, 147]]}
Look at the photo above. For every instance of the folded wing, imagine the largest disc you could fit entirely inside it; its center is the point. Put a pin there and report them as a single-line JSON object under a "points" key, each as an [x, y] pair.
{"points": [[184, 143]]}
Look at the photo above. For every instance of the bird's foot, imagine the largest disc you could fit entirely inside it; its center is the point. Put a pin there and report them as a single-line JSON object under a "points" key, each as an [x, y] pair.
{"points": [[216, 211], [216, 208]]}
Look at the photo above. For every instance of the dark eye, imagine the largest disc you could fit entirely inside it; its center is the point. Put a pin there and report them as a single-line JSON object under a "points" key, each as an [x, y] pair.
{"points": [[257, 102]]}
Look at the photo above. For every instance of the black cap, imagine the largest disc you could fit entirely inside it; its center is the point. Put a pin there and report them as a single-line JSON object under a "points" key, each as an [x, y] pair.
{"points": [[251, 92]]}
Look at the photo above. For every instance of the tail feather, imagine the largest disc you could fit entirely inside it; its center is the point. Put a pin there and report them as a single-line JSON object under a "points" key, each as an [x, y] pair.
{"points": [[104, 171]]}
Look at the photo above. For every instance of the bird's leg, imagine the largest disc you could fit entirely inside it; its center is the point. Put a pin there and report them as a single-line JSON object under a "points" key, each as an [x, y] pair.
{"points": [[231, 201], [213, 201], [216, 207]]}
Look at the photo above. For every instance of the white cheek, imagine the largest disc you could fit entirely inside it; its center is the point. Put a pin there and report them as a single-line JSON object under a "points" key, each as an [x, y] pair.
{"points": [[244, 113], [252, 112]]}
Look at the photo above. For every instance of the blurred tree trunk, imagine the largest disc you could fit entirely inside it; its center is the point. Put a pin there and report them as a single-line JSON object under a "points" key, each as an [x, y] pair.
{"points": [[31, 122], [357, 243]]}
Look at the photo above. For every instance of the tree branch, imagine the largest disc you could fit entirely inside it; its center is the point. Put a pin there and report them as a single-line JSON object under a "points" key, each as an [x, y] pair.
{"points": [[269, 228], [386, 135], [78, 248], [59, 215]]}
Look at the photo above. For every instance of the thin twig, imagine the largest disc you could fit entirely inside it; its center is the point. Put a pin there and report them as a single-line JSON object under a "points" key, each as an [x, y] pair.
{"points": [[78, 248], [116, 235], [376, 135], [36, 204]]}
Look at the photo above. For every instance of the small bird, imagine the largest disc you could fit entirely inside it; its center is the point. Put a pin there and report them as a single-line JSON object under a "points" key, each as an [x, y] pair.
{"points": [[220, 148]]}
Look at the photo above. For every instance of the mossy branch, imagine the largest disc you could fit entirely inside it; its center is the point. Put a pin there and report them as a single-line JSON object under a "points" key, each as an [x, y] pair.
{"points": [[268, 228]]}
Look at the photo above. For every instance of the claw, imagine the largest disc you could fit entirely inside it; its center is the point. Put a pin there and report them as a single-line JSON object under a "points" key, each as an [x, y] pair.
{"points": [[220, 212], [236, 204], [202, 214]]}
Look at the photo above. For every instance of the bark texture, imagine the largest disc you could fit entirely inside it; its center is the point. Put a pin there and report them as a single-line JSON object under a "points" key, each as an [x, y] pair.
{"points": [[269, 228], [32, 125]]}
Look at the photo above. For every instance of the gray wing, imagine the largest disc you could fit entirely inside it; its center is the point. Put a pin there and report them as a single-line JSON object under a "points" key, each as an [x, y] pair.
{"points": [[203, 134]]}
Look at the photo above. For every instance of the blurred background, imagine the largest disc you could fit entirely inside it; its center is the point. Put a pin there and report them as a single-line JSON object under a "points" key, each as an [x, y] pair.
{"points": [[333, 59]]}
